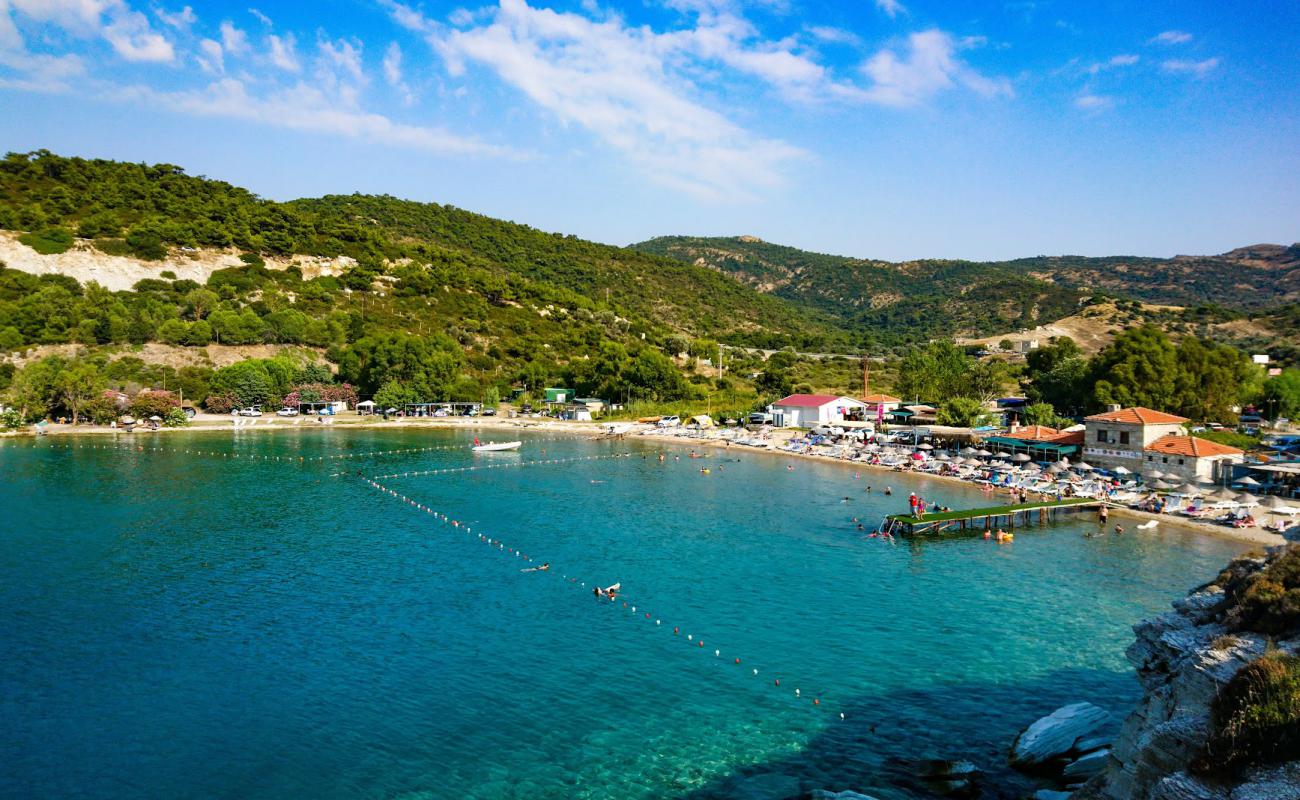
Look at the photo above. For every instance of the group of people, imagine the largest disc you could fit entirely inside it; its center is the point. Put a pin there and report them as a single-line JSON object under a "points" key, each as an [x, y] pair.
{"points": [[919, 507]]}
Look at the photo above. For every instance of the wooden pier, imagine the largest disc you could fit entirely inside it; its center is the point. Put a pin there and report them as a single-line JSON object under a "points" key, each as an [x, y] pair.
{"points": [[985, 519]]}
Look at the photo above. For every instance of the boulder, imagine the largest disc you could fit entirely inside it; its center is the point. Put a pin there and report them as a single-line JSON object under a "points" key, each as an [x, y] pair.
{"points": [[1181, 786], [1056, 734], [1086, 766]]}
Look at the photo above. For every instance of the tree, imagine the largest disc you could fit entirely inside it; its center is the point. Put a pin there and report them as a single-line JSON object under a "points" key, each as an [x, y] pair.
{"points": [[1213, 379], [1281, 394], [154, 403], [78, 384], [936, 372], [961, 412], [1139, 368], [35, 388], [1043, 414], [246, 380], [393, 395]]}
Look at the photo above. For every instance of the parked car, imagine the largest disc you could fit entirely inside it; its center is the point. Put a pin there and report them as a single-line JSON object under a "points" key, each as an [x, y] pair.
{"points": [[759, 418], [251, 411], [287, 411], [190, 412], [489, 412], [669, 421]]}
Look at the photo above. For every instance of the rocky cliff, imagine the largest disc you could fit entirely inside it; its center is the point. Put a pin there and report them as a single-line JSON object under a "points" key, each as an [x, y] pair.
{"points": [[1208, 727]]}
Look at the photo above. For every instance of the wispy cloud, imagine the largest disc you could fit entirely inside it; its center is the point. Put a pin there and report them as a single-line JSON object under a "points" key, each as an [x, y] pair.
{"points": [[619, 83], [1171, 37], [127, 31], [393, 73], [282, 51], [1197, 69], [181, 20], [1093, 102], [211, 57], [826, 33], [308, 108], [1114, 62], [928, 66], [233, 40], [892, 8]]}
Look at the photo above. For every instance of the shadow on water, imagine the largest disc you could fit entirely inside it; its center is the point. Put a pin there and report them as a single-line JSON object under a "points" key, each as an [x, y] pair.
{"points": [[876, 749]]}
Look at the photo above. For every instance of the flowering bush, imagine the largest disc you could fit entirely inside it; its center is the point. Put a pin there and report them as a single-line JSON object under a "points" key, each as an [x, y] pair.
{"points": [[152, 402], [222, 403]]}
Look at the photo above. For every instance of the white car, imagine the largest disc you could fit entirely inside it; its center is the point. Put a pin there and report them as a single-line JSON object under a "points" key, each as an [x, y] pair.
{"points": [[669, 422], [251, 411], [287, 412]]}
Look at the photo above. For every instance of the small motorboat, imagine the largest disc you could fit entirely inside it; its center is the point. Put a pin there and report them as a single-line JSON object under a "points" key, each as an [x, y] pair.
{"points": [[494, 447]]}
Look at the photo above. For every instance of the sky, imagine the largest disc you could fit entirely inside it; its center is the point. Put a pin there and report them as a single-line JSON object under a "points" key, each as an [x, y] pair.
{"points": [[892, 129]]}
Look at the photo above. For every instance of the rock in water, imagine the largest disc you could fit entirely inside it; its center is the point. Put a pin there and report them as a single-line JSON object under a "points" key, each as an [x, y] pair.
{"points": [[1086, 766], [1055, 735]]}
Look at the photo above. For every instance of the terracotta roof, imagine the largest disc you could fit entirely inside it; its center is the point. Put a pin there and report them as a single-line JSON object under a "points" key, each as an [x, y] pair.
{"points": [[1174, 445], [880, 398], [1067, 437], [1136, 416], [807, 400], [1036, 433]]}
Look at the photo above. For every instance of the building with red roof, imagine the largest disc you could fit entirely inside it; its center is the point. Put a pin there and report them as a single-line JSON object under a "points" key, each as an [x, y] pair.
{"points": [[1119, 437], [1191, 458]]}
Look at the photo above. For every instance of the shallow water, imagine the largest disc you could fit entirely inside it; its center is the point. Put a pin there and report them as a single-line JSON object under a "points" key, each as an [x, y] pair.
{"points": [[191, 626]]}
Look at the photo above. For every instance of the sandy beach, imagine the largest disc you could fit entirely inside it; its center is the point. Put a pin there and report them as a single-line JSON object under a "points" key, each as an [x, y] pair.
{"points": [[216, 422]]}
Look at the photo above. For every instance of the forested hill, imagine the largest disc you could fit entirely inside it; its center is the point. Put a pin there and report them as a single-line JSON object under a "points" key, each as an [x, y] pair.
{"points": [[941, 297], [884, 303], [147, 211]]}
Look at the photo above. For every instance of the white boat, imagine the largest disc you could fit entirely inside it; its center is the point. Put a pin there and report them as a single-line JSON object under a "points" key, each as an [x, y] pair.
{"points": [[493, 447]]}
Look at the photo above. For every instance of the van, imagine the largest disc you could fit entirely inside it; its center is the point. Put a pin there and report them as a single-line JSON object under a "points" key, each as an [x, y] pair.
{"points": [[759, 418]]}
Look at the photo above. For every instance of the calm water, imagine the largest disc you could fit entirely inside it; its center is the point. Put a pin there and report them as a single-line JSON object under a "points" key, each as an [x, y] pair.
{"points": [[188, 626]]}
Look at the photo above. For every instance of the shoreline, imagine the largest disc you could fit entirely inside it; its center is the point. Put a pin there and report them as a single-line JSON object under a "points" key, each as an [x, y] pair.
{"points": [[215, 423]]}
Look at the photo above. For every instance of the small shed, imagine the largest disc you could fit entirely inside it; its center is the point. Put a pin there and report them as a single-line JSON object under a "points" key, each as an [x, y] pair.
{"points": [[556, 394], [366, 407]]}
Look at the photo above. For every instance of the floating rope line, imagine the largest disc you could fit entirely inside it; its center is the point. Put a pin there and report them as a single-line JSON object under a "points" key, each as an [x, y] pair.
{"points": [[634, 610], [286, 459], [504, 465]]}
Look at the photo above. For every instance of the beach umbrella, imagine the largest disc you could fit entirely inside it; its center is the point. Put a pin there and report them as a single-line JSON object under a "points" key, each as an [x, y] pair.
{"points": [[1122, 471], [1247, 499], [1021, 457], [1222, 496], [128, 420], [943, 457], [1189, 488], [1163, 486], [1277, 505], [982, 453], [1084, 466], [155, 418], [1156, 475], [1246, 481], [925, 447], [968, 451]]}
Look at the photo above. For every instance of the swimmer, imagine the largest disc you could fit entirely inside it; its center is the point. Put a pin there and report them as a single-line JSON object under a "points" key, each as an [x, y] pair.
{"points": [[845, 500], [861, 527], [1119, 529], [542, 568], [597, 481], [888, 491], [789, 467], [868, 490]]}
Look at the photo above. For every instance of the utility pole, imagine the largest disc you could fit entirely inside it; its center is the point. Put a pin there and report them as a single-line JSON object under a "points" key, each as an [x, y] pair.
{"points": [[866, 376]]}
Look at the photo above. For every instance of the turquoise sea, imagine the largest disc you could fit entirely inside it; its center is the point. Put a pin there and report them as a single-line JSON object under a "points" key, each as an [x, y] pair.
{"points": [[200, 625]]}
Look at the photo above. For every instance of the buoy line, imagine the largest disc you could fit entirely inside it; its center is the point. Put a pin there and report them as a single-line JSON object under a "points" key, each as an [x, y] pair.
{"points": [[635, 611], [503, 465], [254, 457]]}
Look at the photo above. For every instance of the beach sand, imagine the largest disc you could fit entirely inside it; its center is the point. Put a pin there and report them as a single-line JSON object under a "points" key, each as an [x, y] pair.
{"points": [[270, 423]]}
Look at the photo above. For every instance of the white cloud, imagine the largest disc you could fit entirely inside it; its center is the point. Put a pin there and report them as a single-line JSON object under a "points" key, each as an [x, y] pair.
{"points": [[930, 66], [343, 56], [128, 32], [892, 8], [1197, 69], [233, 39], [211, 58], [621, 84], [262, 18], [39, 72], [181, 20], [1093, 102], [826, 33], [408, 17], [1115, 62], [282, 52], [307, 108], [393, 73], [1171, 37]]}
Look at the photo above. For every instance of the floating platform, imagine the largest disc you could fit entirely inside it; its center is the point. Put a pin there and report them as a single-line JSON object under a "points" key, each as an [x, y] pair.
{"points": [[984, 519]]}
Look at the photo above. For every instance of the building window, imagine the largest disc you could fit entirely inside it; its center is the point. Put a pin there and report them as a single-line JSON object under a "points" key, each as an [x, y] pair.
{"points": [[1123, 437], [1165, 459], [1101, 435], [1180, 462]]}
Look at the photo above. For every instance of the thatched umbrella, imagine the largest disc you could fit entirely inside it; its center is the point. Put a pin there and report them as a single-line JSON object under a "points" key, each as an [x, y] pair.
{"points": [[1163, 486], [1247, 499], [1246, 481], [1084, 466], [1277, 505], [982, 453], [1189, 489], [1156, 475], [1021, 457], [1222, 496], [925, 447]]}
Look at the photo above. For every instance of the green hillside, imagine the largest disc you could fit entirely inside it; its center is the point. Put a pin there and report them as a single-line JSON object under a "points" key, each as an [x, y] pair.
{"points": [[888, 303], [143, 210]]}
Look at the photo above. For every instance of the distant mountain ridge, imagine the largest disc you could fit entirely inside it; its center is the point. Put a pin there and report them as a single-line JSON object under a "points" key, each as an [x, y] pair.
{"points": [[931, 297]]}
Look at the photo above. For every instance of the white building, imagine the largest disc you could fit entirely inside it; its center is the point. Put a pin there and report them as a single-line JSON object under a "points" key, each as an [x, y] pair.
{"points": [[1190, 458], [807, 410]]}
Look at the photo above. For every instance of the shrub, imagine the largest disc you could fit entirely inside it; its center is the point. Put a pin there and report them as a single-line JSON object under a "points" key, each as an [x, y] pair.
{"points": [[1267, 601], [175, 418], [1255, 718], [11, 419], [49, 241], [151, 402], [222, 403], [102, 410]]}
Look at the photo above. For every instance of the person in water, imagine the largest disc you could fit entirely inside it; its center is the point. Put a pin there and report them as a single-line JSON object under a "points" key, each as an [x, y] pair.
{"points": [[888, 491]]}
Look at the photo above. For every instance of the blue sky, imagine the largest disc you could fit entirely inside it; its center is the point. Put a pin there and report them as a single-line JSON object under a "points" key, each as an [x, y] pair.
{"points": [[878, 128]]}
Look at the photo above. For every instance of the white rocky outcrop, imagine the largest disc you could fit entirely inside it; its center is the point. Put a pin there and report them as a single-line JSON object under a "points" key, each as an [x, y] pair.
{"points": [[1057, 735]]}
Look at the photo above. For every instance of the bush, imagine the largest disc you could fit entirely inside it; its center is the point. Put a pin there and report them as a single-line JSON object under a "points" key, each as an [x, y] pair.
{"points": [[175, 418], [101, 410], [1267, 601], [222, 403], [152, 402], [48, 241], [1255, 718], [10, 419]]}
